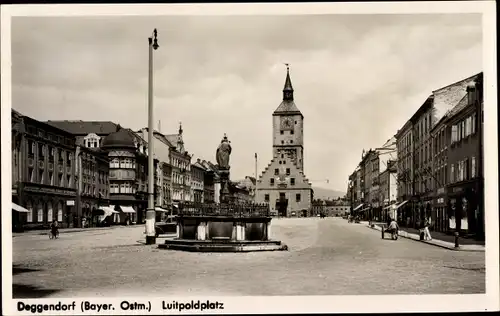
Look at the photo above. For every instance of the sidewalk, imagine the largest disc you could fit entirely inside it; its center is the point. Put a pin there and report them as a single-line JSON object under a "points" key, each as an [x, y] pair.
{"points": [[68, 230], [465, 244]]}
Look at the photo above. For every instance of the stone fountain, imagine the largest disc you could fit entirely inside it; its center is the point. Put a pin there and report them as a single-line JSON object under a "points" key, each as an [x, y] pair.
{"points": [[225, 227]]}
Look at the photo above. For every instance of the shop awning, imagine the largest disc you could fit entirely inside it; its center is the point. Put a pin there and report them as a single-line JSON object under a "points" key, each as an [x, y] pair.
{"points": [[366, 208], [159, 209], [19, 208], [108, 210], [126, 209], [358, 207]]}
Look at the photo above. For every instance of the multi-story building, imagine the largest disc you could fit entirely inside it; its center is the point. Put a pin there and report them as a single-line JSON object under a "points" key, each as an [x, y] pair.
{"points": [[369, 167], [422, 122], [465, 155], [388, 189], [440, 136], [92, 170], [166, 186], [197, 182], [43, 174], [128, 183], [405, 172], [211, 183], [180, 160], [283, 183]]}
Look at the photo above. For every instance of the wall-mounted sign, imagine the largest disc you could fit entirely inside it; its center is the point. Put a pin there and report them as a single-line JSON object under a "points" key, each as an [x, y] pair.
{"points": [[70, 202]]}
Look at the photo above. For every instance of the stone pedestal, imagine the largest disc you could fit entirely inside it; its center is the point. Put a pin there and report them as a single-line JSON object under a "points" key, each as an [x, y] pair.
{"points": [[201, 231], [235, 232], [240, 231], [268, 231], [224, 190]]}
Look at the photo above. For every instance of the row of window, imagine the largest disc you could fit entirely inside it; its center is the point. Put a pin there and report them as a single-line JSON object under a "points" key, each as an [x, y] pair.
{"points": [[292, 181], [48, 177], [465, 170], [282, 195], [181, 164], [181, 179], [464, 128], [424, 125], [439, 141], [283, 132], [125, 163], [52, 152], [39, 213], [283, 142], [125, 188]]}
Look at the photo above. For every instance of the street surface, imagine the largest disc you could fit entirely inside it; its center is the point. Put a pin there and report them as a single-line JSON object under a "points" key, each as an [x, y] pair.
{"points": [[326, 257]]}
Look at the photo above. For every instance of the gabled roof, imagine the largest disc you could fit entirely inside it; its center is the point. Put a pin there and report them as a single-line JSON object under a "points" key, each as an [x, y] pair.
{"points": [[85, 127]]}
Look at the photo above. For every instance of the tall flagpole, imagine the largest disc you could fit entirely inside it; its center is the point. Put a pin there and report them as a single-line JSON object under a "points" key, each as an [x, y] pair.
{"points": [[255, 193], [150, 213]]}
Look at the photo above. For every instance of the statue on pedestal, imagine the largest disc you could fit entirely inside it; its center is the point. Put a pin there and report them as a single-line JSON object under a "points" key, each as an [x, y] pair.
{"points": [[222, 156], [223, 153]]}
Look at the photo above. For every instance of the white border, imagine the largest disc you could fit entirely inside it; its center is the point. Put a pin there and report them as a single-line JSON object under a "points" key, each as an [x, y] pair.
{"points": [[383, 303]]}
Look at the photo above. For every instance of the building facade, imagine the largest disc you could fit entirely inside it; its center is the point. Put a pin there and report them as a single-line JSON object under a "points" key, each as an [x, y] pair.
{"points": [[422, 122], [440, 136], [127, 176], [92, 170], [283, 183], [43, 174], [211, 183], [465, 188], [405, 172], [197, 182]]}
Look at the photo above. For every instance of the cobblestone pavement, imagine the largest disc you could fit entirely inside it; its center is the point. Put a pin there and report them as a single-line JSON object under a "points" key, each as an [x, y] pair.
{"points": [[326, 257]]}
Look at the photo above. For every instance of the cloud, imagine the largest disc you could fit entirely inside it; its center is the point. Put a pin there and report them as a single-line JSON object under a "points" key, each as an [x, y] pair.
{"points": [[357, 78]]}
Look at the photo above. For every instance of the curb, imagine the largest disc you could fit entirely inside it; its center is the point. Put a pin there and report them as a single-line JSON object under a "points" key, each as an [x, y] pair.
{"points": [[71, 230], [429, 243]]}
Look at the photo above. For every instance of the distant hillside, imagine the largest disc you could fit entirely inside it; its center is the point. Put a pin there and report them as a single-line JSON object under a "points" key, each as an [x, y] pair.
{"points": [[325, 194]]}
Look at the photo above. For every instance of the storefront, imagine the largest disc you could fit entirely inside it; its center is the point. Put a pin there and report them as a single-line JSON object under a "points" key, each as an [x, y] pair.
{"points": [[464, 212], [439, 215]]}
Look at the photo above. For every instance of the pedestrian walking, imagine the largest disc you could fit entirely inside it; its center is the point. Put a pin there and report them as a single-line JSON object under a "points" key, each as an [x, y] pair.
{"points": [[427, 233]]}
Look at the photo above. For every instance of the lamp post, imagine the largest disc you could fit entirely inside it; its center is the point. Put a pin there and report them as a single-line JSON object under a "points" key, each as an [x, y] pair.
{"points": [[150, 213]]}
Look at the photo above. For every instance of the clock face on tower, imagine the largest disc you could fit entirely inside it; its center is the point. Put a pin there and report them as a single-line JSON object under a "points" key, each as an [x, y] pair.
{"points": [[286, 123]]}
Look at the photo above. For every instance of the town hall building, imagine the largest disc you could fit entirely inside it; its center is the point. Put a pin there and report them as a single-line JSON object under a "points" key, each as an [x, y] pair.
{"points": [[283, 183]]}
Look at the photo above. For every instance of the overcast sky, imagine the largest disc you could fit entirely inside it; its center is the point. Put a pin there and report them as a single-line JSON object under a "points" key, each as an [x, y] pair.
{"points": [[357, 78]]}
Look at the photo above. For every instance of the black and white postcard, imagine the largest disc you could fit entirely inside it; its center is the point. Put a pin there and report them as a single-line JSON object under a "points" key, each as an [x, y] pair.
{"points": [[249, 158]]}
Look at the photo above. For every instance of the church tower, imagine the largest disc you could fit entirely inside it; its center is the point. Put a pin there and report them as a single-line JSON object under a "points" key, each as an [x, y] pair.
{"points": [[283, 184], [288, 127]]}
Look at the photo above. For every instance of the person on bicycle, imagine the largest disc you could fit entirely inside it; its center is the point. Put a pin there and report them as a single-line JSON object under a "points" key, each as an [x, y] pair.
{"points": [[54, 228], [393, 227]]}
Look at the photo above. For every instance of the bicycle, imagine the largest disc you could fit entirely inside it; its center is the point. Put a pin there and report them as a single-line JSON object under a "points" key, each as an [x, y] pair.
{"points": [[53, 235]]}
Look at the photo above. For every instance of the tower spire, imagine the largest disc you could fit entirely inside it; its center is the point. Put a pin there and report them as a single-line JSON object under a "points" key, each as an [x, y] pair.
{"points": [[288, 89]]}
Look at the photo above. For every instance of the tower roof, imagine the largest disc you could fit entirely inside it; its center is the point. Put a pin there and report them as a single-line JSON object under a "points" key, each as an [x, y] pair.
{"points": [[287, 106]]}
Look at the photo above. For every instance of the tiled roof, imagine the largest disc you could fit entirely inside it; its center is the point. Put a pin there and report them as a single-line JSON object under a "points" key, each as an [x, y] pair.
{"points": [[287, 106], [85, 127], [460, 105]]}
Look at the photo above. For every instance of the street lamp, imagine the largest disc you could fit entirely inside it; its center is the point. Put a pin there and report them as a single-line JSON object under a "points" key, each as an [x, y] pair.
{"points": [[150, 213]]}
